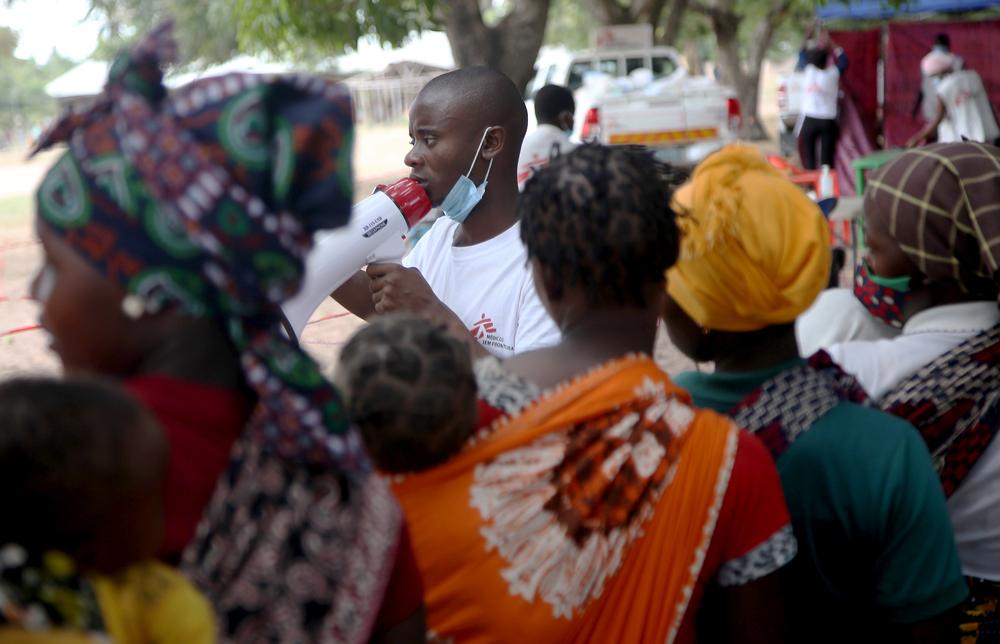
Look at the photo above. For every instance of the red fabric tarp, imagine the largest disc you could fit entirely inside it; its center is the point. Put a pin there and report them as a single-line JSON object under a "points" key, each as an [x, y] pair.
{"points": [[978, 42], [860, 81], [858, 109]]}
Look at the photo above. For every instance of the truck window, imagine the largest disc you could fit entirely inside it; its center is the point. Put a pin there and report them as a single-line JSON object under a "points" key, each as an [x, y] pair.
{"points": [[549, 75], [632, 64], [576, 71], [663, 66], [609, 66]]}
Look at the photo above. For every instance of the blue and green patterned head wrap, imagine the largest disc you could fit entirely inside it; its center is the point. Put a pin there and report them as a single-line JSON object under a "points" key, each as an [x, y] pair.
{"points": [[207, 198]]}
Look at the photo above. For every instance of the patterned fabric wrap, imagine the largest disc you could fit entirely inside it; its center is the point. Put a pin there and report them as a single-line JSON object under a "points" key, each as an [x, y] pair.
{"points": [[45, 592], [785, 407], [954, 401], [980, 619], [941, 203], [882, 302], [560, 514], [207, 199]]}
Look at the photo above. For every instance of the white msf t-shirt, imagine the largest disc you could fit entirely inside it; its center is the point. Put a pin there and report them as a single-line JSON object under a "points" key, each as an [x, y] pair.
{"points": [[488, 286], [968, 109], [821, 89], [541, 146]]}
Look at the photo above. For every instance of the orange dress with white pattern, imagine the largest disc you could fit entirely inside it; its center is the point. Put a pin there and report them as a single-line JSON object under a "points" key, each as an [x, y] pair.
{"points": [[585, 517]]}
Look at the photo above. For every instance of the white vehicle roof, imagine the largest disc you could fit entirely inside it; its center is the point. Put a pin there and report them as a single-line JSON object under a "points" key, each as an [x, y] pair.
{"points": [[563, 67]]}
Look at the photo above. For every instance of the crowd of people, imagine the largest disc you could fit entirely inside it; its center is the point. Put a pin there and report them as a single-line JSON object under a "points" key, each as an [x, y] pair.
{"points": [[498, 457], [952, 103]]}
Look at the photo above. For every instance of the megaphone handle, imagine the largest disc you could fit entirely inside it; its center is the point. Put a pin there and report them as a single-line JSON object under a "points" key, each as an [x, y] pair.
{"points": [[286, 326]]}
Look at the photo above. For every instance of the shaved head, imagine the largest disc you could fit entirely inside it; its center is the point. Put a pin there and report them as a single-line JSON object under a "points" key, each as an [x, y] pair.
{"points": [[469, 116], [484, 95]]}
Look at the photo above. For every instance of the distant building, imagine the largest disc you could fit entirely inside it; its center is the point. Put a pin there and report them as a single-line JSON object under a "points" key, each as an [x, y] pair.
{"points": [[379, 96], [77, 88], [385, 96]]}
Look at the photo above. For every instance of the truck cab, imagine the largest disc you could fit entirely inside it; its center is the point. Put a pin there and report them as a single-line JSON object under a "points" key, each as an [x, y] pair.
{"points": [[680, 117], [560, 67]]}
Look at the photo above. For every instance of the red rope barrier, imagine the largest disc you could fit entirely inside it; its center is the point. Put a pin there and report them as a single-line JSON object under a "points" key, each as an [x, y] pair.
{"points": [[20, 244], [23, 329], [327, 317], [35, 327]]}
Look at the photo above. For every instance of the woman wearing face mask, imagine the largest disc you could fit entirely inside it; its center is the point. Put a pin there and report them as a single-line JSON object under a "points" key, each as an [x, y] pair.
{"points": [[173, 228], [876, 551], [469, 269], [554, 109], [932, 220]]}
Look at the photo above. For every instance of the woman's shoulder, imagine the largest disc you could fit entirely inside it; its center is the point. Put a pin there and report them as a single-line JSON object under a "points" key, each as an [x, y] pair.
{"points": [[754, 536], [501, 388]]}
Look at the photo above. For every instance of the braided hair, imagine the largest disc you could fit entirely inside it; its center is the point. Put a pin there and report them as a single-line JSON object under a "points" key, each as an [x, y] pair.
{"points": [[411, 392], [600, 218]]}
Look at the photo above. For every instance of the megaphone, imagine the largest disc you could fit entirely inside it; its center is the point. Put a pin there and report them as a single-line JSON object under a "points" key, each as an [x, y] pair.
{"points": [[376, 232]]}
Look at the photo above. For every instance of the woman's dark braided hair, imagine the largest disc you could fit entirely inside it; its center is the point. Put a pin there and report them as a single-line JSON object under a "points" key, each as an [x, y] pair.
{"points": [[410, 391], [600, 217]]}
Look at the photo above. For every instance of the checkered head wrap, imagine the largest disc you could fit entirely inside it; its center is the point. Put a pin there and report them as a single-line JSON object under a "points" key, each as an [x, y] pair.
{"points": [[941, 203]]}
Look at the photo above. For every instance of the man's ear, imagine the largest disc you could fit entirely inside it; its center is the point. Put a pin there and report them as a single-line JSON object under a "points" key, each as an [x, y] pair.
{"points": [[566, 119], [496, 138]]}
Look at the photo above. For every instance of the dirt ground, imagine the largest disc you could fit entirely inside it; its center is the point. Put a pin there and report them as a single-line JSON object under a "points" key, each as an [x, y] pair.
{"points": [[24, 348]]}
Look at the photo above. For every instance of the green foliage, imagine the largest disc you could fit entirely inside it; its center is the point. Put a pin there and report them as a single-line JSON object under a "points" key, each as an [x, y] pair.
{"points": [[286, 26], [570, 25], [24, 103], [8, 42], [784, 44], [206, 29], [788, 35]]}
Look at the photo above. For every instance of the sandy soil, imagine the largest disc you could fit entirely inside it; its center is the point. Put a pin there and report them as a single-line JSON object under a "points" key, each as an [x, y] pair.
{"points": [[24, 349]]}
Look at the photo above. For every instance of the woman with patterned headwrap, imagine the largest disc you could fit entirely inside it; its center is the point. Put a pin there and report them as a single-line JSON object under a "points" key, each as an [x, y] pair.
{"points": [[932, 220], [877, 553], [173, 228]]}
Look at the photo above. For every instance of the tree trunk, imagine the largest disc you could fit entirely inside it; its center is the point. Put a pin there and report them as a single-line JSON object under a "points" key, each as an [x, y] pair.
{"points": [[675, 18], [610, 12], [510, 47], [692, 54], [745, 80], [760, 42]]}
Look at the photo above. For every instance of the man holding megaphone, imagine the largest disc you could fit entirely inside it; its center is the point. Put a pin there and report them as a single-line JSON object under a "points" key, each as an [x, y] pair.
{"points": [[470, 270]]}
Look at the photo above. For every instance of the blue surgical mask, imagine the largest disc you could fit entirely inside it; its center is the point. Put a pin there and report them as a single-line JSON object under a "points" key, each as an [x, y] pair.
{"points": [[465, 195]]}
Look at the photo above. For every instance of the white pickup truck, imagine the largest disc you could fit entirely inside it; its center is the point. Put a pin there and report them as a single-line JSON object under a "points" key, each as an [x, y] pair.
{"points": [[682, 118]]}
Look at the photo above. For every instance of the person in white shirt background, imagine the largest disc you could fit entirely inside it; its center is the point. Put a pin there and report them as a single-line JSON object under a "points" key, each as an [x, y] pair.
{"points": [[819, 104], [927, 102], [554, 110], [962, 111], [932, 219], [469, 272]]}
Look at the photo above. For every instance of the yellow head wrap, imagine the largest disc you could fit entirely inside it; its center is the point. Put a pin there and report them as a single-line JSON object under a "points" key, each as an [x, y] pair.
{"points": [[755, 251]]}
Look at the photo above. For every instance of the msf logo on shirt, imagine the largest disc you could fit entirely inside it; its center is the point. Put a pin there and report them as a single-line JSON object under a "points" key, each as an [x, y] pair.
{"points": [[486, 333]]}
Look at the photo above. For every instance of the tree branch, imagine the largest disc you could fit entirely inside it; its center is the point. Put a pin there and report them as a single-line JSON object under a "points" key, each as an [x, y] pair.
{"points": [[675, 18], [609, 12], [764, 33]]}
